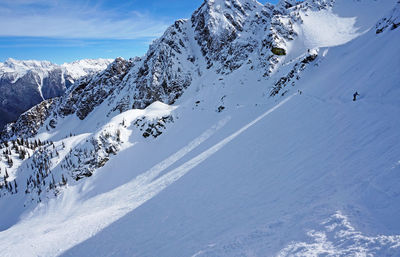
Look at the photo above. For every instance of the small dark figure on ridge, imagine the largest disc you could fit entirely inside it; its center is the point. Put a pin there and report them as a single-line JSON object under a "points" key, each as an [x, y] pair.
{"points": [[355, 96]]}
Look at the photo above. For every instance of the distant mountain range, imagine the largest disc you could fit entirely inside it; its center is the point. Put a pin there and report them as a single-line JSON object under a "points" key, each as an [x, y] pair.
{"points": [[24, 84]]}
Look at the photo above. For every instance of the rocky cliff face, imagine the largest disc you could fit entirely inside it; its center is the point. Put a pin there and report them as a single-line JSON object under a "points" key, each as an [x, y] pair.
{"points": [[221, 35], [24, 84]]}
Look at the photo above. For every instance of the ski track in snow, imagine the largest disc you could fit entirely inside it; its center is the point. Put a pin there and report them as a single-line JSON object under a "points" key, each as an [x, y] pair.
{"points": [[120, 201], [177, 173], [157, 169], [93, 213]]}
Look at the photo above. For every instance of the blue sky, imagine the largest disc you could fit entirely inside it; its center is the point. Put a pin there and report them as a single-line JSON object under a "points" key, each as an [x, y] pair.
{"points": [[67, 30]]}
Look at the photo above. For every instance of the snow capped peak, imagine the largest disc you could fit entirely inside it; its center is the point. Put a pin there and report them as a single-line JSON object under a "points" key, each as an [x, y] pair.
{"points": [[84, 67], [13, 65], [239, 7], [90, 61], [286, 4], [13, 69], [22, 66], [25, 83], [75, 69], [230, 2], [12, 62]]}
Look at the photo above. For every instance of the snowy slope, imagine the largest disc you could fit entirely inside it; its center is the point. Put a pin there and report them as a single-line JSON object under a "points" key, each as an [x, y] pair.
{"points": [[229, 169]]}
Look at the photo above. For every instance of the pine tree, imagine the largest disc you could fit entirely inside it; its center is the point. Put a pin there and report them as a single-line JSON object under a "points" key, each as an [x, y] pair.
{"points": [[53, 182], [10, 162], [63, 180], [22, 154], [5, 182], [118, 135]]}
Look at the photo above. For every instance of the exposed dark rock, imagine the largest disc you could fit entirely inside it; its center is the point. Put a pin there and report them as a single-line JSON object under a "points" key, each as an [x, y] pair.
{"points": [[278, 51]]}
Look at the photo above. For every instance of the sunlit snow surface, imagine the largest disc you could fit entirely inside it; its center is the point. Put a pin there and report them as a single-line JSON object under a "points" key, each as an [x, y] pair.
{"points": [[300, 175], [338, 237]]}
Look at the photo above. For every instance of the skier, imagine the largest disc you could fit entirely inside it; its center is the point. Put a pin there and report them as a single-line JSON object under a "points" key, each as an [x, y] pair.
{"points": [[355, 96]]}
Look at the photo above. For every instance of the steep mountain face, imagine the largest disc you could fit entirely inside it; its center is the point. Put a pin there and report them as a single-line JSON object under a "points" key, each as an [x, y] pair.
{"points": [[24, 84], [225, 35], [235, 135], [217, 24]]}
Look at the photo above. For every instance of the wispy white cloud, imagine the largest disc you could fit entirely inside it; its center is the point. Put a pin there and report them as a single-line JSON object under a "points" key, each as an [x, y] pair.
{"points": [[75, 19]]}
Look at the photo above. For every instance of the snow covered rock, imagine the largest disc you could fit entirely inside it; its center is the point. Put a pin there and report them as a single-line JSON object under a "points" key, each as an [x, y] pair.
{"points": [[286, 4], [392, 21]]}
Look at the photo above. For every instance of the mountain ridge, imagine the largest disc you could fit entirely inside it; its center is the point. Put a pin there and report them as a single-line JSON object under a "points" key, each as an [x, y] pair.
{"points": [[219, 149], [27, 83]]}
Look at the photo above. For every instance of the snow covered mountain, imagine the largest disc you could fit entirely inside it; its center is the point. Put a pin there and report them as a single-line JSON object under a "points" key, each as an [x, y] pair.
{"points": [[24, 84], [235, 135]]}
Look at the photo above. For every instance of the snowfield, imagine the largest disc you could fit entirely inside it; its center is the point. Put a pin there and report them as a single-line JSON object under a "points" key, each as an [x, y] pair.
{"points": [[308, 172]]}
